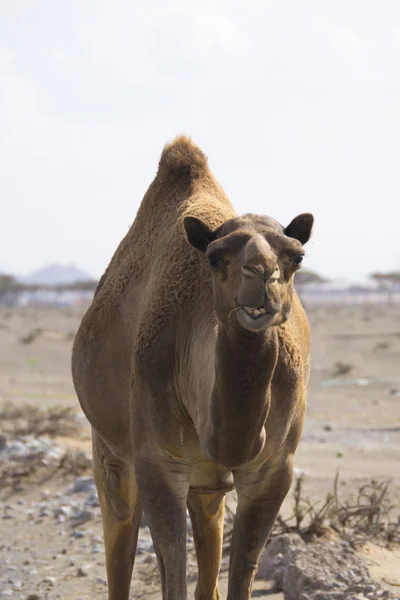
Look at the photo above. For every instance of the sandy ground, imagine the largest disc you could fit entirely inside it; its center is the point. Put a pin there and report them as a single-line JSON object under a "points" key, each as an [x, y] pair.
{"points": [[353, 426]]}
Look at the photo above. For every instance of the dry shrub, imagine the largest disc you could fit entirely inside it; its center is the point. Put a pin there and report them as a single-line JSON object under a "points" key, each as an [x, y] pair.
{"points": [[31, 336], [342, 368], [37, 468], [75, 463], [369, 515], [38, 421]]}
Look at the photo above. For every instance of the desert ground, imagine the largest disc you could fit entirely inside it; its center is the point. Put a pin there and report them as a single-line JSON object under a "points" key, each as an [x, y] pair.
{"points": [[50, 527]]}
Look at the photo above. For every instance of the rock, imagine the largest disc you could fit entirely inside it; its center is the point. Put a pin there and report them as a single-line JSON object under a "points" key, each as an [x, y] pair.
{"points": [[33, 597], [92, 500], [49, 580], [82, 516], [276, 556], [77, 534], [83, 484], [97, 549], [81, 572], [3, 442], [369, 589], [321, 571], [62, 511], [393, 392]]}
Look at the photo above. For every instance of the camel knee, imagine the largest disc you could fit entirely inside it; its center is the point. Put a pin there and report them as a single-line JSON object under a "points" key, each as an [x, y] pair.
{"points": [[117, 489]]}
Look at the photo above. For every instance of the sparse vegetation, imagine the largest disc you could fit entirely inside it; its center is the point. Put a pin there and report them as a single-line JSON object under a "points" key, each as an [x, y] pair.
{"points": [[370, 514], [342, 368], [389, 282], [305, 276], [33, 420]]}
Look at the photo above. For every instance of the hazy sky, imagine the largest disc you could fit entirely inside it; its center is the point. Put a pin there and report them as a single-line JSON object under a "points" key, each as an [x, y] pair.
{"points": [[296, 104]]}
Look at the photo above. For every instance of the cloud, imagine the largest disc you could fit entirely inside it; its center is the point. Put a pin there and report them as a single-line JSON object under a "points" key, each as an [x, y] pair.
{"points": [[214, 27], [59, 53], [347, 44], [18, 95], [141, 42]]}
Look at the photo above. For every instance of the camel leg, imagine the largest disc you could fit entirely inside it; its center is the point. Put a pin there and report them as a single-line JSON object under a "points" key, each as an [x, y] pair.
{"points": [[121, 512], [207, 516], [164, 487], [260, 495]]}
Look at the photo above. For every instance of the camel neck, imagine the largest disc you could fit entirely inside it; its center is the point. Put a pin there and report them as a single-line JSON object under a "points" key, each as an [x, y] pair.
{"points": [[240, 401]]}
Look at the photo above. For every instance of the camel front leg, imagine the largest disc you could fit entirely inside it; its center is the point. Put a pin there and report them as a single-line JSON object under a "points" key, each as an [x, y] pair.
{"points": [[260, 495], [164, 487], [207, 516], [121, 512]]}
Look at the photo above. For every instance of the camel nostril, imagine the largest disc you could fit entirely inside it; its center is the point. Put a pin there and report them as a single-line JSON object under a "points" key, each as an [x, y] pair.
{"points": [[253, 271]]}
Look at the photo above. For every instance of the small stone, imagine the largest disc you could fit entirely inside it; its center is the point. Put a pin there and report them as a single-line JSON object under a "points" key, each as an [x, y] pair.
{"points": [[149, 559], [83, 484], [7, 592], [77, 534], [33, 597], [81, 572], [62, 511], [92, 500], [49, 580], [101, 580], [82, 516], [97, 549], [3, 442]]}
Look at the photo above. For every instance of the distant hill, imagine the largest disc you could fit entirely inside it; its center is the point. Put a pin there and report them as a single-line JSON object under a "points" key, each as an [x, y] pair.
{"points": [[56, 274]]}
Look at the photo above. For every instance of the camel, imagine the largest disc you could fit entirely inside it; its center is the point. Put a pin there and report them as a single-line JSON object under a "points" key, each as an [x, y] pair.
{"points": [[191, 365]]}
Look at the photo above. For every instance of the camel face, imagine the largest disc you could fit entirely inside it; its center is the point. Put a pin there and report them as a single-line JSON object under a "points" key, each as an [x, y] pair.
{"points": [[253, 260]]}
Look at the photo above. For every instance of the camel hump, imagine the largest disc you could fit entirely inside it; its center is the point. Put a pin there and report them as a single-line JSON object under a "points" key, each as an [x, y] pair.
{"points": [[183, 158]]}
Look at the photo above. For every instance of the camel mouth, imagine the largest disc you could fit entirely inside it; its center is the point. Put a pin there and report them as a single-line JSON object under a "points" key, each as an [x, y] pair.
{"points": [[254, 313], [255, 319]]}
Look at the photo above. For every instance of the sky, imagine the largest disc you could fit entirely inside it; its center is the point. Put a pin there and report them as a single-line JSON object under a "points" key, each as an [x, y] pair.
{"points": [[296, 104]]}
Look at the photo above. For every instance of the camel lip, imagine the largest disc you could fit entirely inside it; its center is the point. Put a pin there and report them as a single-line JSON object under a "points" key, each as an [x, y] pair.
{"points": [[254, 321]]}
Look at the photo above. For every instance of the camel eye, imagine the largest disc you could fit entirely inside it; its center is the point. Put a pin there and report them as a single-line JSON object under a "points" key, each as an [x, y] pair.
{"points": [[298, 259]]}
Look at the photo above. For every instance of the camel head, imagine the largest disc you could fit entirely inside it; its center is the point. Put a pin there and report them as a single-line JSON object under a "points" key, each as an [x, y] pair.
{"points": [[253, 260]]}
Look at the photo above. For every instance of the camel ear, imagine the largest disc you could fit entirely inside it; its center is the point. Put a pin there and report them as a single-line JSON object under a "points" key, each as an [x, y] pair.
{"points": [[300, 228], [198, 234]]}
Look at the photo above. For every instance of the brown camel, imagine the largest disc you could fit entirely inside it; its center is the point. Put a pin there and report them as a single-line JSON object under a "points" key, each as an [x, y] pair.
{"points": [[191, 365]]}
